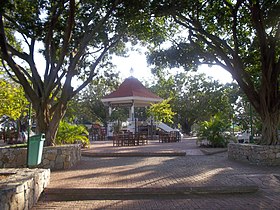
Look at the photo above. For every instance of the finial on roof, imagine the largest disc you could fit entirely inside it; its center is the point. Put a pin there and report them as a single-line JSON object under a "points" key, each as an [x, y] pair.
{"points": [[131, 71]]}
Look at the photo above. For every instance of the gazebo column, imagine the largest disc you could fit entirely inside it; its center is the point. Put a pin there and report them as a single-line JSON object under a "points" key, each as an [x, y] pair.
{"points": [[110, 124], [131, 112], [110, 111], [132, 116]]}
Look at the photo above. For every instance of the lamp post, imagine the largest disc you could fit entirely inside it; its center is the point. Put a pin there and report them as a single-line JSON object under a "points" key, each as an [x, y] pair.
{"points": [[28, 131], [233, 124]]}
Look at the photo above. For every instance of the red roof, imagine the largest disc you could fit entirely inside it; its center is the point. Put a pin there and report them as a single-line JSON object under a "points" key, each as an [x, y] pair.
{"points": [[131, 87]]}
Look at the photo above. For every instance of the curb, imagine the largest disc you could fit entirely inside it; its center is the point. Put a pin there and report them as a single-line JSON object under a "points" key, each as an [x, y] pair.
{"points": [[63, 194], [134, 154], [209, 152]]}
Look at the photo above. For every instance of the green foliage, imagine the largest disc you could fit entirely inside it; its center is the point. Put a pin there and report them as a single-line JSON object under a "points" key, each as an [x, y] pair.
{"points": [[70, 134], [162, 111], [119, 114], [190, 93], [87, 106], [76, 39], [214, 131], [12, 100], [240, 36]]}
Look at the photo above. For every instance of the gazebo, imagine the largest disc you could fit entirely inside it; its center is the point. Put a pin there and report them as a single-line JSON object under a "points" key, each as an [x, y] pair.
{"points": [[131, 93]]}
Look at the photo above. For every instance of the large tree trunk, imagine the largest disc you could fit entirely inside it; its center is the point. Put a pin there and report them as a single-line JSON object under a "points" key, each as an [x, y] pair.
{"points": [[270, 123], [269, 110], [47, 123], [187, 126], [42, 118], [52, 131]]}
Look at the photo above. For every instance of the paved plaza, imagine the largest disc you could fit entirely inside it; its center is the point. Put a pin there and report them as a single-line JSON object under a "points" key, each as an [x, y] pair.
{"points": [[157, 176]]}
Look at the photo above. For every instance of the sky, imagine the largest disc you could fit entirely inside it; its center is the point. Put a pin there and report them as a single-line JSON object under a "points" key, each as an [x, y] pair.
{"points": [[141, 70]]}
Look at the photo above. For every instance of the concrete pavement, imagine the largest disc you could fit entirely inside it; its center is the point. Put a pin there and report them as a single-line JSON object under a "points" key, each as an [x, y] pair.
{"points": [[193, 181]]}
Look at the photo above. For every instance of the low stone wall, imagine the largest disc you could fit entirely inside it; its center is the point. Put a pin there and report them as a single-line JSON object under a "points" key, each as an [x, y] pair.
{"points": [[255, 154], [21, 188], [54, 158]]}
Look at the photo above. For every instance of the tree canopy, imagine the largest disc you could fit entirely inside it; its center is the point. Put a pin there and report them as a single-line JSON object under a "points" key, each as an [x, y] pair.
{"points": [[242, 36], [77, 37], [74, 37]]}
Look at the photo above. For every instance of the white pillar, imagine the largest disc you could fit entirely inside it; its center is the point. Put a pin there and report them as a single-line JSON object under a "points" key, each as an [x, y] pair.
{"points": [[132, 112], [110, 111], [109, 124]]}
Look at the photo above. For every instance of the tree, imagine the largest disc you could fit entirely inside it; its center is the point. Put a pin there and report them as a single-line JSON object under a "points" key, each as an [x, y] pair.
{"points": [[214, 130], [87, 106], [190, 92], [71, 33], [242, 36], [162, 111], [13, 103], [13, 106], [204, 98], [74, 37]]}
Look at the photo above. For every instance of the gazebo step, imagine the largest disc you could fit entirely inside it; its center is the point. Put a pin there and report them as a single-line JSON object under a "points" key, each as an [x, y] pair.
{"points": [[58, 194], [134, 154]]}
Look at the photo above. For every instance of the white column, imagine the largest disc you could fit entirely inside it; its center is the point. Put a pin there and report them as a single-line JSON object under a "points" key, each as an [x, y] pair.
{"points": [[132, 112], [110, 111], [109, 123]]}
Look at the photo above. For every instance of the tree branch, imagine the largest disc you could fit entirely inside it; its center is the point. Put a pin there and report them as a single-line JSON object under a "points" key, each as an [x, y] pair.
{"points": [[234, 64], [29, 59], [67, 34], [83, 44], [56, 12], [258, 21], [234, 29], [8, 72], [16, 68], [93, 67]]}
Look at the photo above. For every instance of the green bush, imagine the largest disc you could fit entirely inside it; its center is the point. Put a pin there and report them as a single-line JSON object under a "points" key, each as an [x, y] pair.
{"points": [[214, 131], [70, 134]]}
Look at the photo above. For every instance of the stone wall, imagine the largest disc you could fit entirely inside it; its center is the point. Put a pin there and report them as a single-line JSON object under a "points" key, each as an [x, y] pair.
{"points": [[21, 188], [55, 158], [255, 154]]}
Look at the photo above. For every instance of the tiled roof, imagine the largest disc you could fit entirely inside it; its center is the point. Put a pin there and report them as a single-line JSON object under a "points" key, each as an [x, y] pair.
{"points": [[131, 87]]}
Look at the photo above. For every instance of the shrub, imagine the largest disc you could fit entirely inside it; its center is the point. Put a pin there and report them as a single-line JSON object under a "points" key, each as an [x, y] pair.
{"points": [[214, 131], [70, 134]]}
